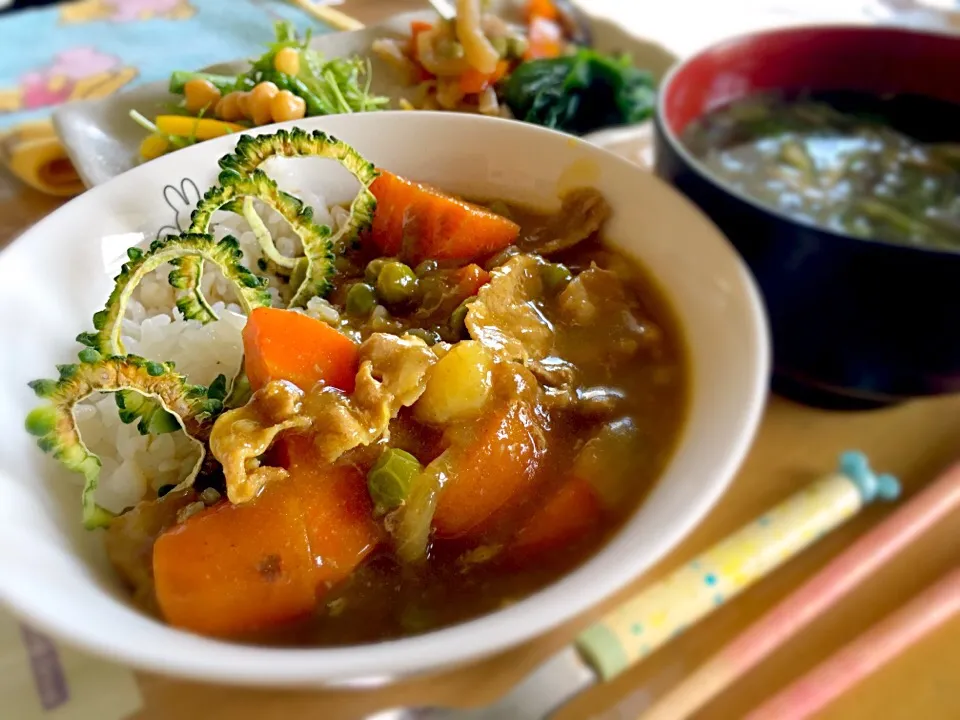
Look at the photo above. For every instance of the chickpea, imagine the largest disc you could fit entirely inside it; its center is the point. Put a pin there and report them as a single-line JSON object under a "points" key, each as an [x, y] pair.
{"points": [[260, 100], [229, 107], [243, 102], [287, 106], [200, 95], [287, 60]]}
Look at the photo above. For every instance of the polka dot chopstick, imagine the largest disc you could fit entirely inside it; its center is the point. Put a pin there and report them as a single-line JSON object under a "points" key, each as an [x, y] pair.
{"points": [[840, 577], [643, 623]]}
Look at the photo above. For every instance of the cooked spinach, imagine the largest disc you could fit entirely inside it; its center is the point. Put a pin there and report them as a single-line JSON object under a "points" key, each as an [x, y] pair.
{"points": [[580, 93]]}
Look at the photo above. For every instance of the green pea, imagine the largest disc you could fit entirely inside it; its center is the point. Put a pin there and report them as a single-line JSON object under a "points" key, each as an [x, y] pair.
{"points": [[517, 47], [426, 267], [372, 271], [500, 208], [448, 48], [430, 337], [458, 319], [555, 276], [501, 45], [391, 478], [361, 299], [397, 283]]}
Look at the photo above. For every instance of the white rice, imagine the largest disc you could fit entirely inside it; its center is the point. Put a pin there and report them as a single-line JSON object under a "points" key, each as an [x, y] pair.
{"points": [[153, 328]]}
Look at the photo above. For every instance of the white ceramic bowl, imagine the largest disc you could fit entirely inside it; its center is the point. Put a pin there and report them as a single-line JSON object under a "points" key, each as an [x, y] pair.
{"points": [[54, 574]]}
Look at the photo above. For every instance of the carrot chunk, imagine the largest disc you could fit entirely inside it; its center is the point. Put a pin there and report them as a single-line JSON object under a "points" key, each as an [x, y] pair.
{"points": [[237, 568], [599, 479], [474, 82], [469, 279], [287, 345], [417, 222], [542, 8], [499, 465], [571, 511], [233, 569], [545, 39], [417, 27]]}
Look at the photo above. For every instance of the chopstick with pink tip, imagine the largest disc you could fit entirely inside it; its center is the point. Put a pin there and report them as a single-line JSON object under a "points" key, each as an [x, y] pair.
{"points": [[817, 595], [866, 654]]}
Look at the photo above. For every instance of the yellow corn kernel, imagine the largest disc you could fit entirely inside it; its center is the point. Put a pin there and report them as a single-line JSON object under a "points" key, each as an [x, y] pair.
{"points": [[200, 128]]}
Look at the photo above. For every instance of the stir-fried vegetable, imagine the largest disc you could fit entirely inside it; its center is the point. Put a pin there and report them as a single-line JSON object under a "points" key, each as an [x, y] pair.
{"points": [[417, 222], [477, 48], [543, 72], [580, 93]]}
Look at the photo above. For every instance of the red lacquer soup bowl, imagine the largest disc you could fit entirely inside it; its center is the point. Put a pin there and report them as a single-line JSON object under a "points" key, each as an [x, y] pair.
{"points": [[856, 322]]}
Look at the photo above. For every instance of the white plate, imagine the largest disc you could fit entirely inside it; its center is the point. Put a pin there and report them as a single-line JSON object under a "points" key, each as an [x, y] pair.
{"points": [[54, 574], [102, 140]]}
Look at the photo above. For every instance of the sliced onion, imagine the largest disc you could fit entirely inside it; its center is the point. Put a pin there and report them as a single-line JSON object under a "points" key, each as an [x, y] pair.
{"points": [[432, 61], [414, 520], [479, 51], [489, 105]]}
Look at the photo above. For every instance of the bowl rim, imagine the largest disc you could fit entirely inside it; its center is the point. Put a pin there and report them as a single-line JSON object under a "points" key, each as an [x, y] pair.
{"points": [[665, 131], [230, 663]]}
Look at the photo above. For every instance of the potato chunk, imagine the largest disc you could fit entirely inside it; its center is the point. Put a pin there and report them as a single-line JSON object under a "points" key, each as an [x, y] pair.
{"points": [[458, 386]]}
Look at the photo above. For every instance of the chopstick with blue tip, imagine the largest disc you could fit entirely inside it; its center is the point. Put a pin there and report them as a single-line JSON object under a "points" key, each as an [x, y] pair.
{"points": [[824, 590], [641, 625]]}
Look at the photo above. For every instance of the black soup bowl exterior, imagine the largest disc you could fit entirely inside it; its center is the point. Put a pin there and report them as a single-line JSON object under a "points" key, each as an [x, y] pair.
{"points": [[856, 323]]}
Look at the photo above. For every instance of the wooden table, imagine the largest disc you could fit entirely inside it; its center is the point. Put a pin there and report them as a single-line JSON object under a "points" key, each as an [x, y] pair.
{"points": [[795, 445]]}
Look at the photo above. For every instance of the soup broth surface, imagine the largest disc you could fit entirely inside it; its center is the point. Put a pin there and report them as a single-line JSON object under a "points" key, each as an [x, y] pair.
{"points": [[880, 167]]}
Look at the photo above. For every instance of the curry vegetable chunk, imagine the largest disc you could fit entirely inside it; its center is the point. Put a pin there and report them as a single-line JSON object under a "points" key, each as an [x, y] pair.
{"points": [[481, 397]]}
